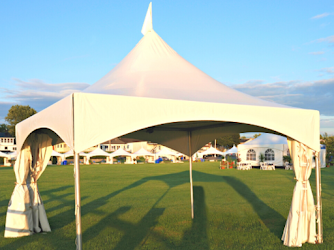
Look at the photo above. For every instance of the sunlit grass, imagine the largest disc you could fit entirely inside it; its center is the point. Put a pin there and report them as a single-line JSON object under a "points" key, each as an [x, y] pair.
{"points": [[148, 207]]}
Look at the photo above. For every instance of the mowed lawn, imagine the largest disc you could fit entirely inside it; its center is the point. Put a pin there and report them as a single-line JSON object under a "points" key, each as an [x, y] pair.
{"points": [[147, 206]]}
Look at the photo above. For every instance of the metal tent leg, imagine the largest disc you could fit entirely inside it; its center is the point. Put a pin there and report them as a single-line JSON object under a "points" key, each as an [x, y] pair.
{"points": [[77, 201], [191, 178]]}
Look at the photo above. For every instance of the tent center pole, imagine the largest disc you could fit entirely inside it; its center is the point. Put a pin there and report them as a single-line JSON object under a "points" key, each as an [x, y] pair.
{"points": [[319, 203], [191, 178], [77, 200]]}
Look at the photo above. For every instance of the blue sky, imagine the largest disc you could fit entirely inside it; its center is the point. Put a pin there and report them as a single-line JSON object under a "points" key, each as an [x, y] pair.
{"points": [[276, 50]]}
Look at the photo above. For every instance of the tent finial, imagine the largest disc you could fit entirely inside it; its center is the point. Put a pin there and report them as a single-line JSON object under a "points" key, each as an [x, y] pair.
{"points": [[148, 26]]}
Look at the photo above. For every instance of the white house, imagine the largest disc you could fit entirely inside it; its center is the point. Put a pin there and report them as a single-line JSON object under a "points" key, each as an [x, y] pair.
{"points": [[7, 143]]}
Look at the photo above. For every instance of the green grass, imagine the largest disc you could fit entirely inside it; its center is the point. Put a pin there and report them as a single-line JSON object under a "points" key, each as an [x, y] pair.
{"points": [[148, 207]]}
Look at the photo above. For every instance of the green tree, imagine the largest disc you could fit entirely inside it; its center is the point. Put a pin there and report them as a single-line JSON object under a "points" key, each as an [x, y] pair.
{"points": [[329, 142], [16, 114], [256, 136], [227, 141], [3, 128]]}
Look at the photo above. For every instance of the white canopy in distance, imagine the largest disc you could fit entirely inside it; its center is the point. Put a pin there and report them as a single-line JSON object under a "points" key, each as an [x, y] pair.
{"points": [[212, 151], [120, 152], [142, 152], [233, 150]]}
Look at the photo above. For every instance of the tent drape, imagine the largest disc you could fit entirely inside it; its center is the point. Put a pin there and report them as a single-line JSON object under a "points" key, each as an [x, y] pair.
{"points": [[300, 226], [26, 213]]}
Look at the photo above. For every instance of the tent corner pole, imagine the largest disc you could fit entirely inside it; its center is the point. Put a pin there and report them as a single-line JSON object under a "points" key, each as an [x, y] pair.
{"points": [[319, 203], [77, 201], [191, 177]]}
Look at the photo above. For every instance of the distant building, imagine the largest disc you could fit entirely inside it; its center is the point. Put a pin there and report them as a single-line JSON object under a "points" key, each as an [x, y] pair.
{"points": [[7, 143], [130, 145]]}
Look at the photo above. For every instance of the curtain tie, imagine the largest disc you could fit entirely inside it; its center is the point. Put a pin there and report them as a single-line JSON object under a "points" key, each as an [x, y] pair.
{"points": [[25, 184]]}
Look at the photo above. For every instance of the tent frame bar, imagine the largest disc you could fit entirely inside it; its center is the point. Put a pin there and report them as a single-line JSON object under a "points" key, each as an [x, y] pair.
{"points": [[191, 176], [318, 207], [77, 208]]}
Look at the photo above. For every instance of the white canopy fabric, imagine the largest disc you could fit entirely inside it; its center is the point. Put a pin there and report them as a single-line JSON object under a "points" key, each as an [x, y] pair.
{"points": [[142, 152], [12, 154], [188, 107], [98, 152], [4, 155], [120, 152], [212, 151], [71, 153], [26, 212], [300, 226], [265, 139], [166, 151], [154, 75], [55, 153], [233, 150]]}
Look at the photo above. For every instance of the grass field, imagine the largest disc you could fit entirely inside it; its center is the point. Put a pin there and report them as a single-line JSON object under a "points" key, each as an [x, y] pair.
{"points": [[148, 207]]}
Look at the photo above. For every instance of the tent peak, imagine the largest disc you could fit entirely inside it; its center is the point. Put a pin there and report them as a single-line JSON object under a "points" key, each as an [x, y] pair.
{"points": [[147, 26]]}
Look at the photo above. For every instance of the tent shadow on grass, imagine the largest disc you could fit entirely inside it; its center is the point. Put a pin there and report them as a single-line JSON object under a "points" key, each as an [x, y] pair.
{"points": [[134, 234], [273, 220]]}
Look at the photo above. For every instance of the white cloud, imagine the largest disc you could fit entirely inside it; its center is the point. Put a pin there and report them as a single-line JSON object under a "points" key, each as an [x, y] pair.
{"points": [[318, 95], [327, 125], [38, 94], [317, 53], [320, 16], [329, 39], [329, 70]]}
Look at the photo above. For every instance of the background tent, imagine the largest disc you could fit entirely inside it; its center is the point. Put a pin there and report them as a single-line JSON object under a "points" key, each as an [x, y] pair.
{"points": [[188, 107], [5, 158], [98, 152], [274, 146], [322, 156], [149, 157], [12, 155], [233, 150], [122, 152], [60, 157], [212, 151], [209, 151], [166, 152]]}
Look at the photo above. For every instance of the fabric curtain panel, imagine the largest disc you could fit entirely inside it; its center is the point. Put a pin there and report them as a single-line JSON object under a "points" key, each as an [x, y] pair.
{"points": [[300, 226], [26, 213]]}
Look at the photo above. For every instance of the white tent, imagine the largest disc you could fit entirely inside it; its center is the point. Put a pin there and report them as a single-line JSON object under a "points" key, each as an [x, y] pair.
{"points": [[273, 147], [5, 158], [322, 156], [55, 153], [98, 152], [233, 150], [166, 152], [122, 152], [3, 155], [212, 151], [149, 157], [189, 109], [142, 152], [58, 155], [71, 153], [12, 155]]}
